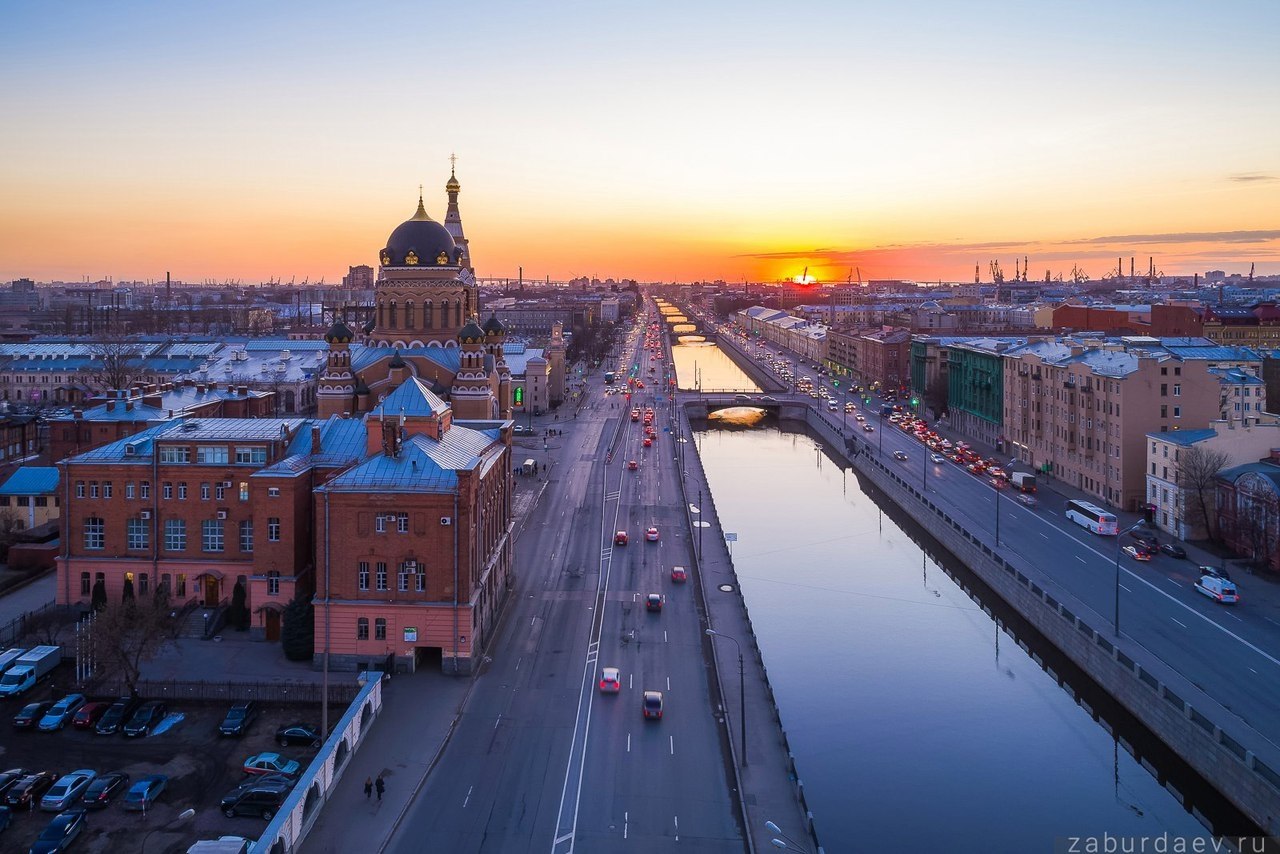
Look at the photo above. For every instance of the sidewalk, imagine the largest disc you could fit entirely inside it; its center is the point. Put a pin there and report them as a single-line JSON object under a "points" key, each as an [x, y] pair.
{"points": [[418, 714], [29, 597]]}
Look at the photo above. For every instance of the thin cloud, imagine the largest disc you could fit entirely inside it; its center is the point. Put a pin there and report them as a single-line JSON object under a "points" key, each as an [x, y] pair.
{"points": [[1250, 177], [1258, 236]]}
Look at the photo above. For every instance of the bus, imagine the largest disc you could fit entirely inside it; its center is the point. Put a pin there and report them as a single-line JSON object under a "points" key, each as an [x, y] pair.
{"points": [[609, 377], [1092, 517]]}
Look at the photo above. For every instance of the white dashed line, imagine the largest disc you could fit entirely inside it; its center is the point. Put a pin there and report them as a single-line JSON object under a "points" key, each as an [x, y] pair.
{"points": [[628, 742], [673, 744], [1125, 589], [1179, 622], [467, 799]]}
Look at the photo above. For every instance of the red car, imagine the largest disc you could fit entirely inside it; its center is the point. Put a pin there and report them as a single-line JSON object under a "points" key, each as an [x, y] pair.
{"points": [[632, 465], [88, 714], [648, 443], [679, 574], [620, 538]]}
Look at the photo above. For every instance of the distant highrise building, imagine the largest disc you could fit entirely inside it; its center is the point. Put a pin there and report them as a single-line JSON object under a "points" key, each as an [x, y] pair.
{"points": [[359, 277]]}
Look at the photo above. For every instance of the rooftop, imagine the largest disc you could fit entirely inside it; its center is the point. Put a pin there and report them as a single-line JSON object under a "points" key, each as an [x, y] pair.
{"points": [[31, 480]]}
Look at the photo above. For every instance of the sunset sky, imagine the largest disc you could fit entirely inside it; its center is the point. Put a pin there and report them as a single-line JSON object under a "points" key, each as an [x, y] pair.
{"points": [[661, 141]]}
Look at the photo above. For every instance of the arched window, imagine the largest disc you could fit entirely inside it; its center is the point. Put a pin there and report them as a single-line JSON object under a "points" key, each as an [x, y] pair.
{"points": [[457, 317], [382, 314], [428, 315], [408, 314], [393, 323]]}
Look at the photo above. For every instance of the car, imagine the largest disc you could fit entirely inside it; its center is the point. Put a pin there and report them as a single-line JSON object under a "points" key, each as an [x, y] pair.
{"points": [[145, 719], [88, 715], [610, 681], [25, 793], [632, 465], [67, 790], [651, 534], [60, 833], [651, 705], [239, 717], [653, 602], [1174, 550], [1147, 541], [1027, 499], [271, 763], [10, 778], [900, 455], [867, 428], [1137, 553], [937, 458], [1215, 586], [648, 443], [261, 801], [299, 733], [999, 482], [117, 715], [143, 793], [103, 789], [620, 538], [31, 714], [679, 574], [60, 714]]}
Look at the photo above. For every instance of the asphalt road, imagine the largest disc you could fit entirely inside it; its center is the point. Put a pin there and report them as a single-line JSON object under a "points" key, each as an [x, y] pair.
{"points": [[541, 760], [1231, 653]]}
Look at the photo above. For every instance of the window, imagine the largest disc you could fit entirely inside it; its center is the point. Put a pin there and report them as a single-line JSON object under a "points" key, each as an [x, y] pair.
{"points": [[1165, 449], [106, 489], [244, 490], [204, 492], [362, 628], [420, 579], [23, 501], [79, 489], [143, 584], [403, 578], [144, 489], [182, 490], [1164, 472], [380, 521], [246, 535], [211, 455], [95, 533], [364, 575], [181, 589], [1164, 389], [1177, 411], [1177, 389], [211, 539], [219, 492], [175, 535], [86, 586], [402, 523], [128, 490], [167, 491], [273, 529], [1164, 372], [166, 582], [175, 455], [382, 576], [1164, 412], [379, 629], [93, 486], [138, 534], [251, 456], [273, 583], [273, 492]]}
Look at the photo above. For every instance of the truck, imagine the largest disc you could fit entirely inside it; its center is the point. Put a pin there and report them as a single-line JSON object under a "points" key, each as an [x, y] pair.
{"points": [[886, 409], [29, 669], [1024, 481], [9, 656]]}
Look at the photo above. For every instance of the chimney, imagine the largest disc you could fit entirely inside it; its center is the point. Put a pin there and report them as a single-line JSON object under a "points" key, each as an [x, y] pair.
{"points": [[200, 388], [315, 438], [244, 391], [128, 405], [111, 405], [77, 413]]}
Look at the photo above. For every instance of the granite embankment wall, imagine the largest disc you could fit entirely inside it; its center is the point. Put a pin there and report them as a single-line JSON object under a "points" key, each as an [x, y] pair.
{"points": [[1230, 755]]}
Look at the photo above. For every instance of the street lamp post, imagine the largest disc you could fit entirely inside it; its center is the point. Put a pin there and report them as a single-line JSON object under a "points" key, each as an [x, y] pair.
{"points": [[742, 690], [788, 845]]}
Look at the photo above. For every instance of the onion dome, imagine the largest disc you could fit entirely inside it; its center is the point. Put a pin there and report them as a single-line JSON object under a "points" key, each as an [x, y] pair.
{"points": [[420, 242], [339, 333], [396, 361], [471, 333], [493, 326], [371, 325]]}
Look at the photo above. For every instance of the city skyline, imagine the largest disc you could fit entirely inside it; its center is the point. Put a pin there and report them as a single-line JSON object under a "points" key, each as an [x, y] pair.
{"points": [[679, 143]]}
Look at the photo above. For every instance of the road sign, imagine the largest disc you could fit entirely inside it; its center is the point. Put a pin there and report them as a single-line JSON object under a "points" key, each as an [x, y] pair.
{"points": [[730, 536]]}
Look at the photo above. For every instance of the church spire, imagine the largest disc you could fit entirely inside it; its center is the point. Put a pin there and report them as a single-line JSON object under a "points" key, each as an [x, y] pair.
{"points": [[452, 217]]}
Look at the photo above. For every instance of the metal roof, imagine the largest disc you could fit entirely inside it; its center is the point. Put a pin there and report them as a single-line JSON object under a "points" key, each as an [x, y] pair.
{"points": [[230, 429], [1184, 437], [447, 357], [141, 443], [423, 464], [413, 397], [31, 480]]}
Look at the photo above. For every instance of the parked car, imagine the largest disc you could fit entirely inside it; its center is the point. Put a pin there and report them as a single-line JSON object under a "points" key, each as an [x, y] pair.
{"points": [[1174, 550], [271, 763], [238, 719], [88, 715], [299, 733], [28, 791], [8, 779], [31, 714], [60, 833], [60, 714], [143, 794], [651, 705], [145, 719], [1147, 541], [610, 681], [6, 816], [67, 790], [262, 800], [104, 788], [117, 715]]}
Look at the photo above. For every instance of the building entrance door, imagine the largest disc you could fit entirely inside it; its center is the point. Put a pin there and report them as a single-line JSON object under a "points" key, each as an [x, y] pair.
{"points": [[210, 591], [273, 625]]}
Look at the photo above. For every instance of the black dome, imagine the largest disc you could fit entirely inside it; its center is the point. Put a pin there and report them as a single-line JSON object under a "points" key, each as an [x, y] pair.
{"points": [[493, 326], [420, 242]]}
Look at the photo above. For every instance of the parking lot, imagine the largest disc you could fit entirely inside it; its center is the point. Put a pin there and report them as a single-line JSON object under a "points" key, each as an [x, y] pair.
{"points": [[202, 767]]}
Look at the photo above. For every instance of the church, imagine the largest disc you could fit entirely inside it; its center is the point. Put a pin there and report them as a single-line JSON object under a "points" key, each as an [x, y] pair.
{"points": [[425, 325]]}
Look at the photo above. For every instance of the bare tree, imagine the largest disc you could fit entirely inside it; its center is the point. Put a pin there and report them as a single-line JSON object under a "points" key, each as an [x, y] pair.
{"points": [[125, 635], [1198, 467], [116, 364]]}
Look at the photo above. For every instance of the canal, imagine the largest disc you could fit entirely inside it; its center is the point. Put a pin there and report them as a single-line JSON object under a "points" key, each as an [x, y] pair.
{"points": [[701, 364], [915, 722]]}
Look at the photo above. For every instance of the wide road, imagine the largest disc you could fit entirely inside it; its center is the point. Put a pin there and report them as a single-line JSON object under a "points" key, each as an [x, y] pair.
{"points": [[1231, 653], [541, 760]]}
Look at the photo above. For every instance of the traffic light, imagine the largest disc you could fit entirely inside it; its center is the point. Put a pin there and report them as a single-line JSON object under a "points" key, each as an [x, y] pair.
{"points": [[835, 383], [915, 401], [519, 399]]}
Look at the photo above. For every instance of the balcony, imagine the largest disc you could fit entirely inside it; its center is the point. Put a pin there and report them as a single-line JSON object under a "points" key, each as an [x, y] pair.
{"points": [[1068, 384]]}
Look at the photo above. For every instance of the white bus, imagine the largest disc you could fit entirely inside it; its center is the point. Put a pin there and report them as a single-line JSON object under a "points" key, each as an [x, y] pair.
{"points": [[1092, 517]]}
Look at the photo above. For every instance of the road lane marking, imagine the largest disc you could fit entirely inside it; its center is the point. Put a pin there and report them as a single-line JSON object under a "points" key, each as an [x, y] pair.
{"points": [[628, 742], [677, 818], [498, 721], [668, 683], [664, 635], [1125, 589], [630, 684], [673, 744], [626, 819], [1179, 622], [1082, 560], [1174, 583], [518, 660], [467, 799]]}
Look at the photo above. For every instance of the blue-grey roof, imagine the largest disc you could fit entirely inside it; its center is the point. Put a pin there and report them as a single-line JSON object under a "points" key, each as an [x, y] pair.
{"points": [[447, 357], [118, 412], [423, 464], [231, 429], [141, 442], [413, 397], [1213, 352], [342, 442], [1235, 376], [1184, 438], [1264, 469], [31, 480]]}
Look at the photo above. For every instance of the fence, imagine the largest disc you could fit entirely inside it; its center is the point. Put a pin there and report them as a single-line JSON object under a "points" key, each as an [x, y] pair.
{"points": [[267, 692], [16, 629]]}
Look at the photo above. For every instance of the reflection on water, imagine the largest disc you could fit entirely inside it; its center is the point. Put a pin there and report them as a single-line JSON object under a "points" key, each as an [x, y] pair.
{"points": [[691, 339], [701, 364], [679, 328], [916, 724], [737, 416]]}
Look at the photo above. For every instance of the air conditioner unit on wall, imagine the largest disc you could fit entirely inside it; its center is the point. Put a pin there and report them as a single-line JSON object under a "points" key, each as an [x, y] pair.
{"points": [[446, 520], [145, 514], [222, 514]]}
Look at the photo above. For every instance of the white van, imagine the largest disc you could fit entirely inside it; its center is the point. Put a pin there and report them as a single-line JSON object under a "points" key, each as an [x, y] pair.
{"points": [[530, 468], [1220, 589]]}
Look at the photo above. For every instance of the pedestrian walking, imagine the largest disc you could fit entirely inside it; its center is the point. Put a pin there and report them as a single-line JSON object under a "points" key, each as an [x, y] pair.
{"points": [[381, 787], [368, 787]]}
